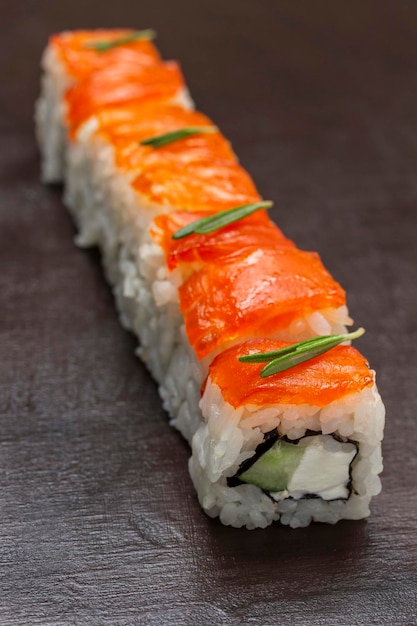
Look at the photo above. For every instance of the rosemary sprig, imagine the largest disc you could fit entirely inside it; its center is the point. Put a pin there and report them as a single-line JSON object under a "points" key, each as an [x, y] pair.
{"points": [[108, 44], [281, 360], [214, 222], [175, 135]]}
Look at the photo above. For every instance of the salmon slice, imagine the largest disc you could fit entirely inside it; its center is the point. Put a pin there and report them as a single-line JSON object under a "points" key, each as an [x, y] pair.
{"points": [[126, 126], [209, 185], [131, 155], [80, 61], [320, 381], [256, 293], [255, 230], [121, 83]]}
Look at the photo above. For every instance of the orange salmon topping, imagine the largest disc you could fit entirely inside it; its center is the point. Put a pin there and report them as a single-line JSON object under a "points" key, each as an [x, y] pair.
{"points": [[254, 293], [80, 61], [130, 155], [126, 126], [256, 230], [207, 185], [118, 84], [324, 379]]}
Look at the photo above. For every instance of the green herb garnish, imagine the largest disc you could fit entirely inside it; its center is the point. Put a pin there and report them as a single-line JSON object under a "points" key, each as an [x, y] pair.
{"points": [[214, 222], [175, 135], [281, 360], [109, 44]]}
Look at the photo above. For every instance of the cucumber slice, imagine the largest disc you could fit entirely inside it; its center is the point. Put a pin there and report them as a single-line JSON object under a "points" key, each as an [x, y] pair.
{"points": [[275, 468]]}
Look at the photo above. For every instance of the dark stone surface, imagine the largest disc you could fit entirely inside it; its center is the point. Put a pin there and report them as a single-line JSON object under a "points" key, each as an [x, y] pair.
{"points": [[98, 520]]}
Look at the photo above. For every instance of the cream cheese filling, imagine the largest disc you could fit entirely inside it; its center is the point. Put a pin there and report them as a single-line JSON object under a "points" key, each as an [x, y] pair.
{"points": [[323, 469]]}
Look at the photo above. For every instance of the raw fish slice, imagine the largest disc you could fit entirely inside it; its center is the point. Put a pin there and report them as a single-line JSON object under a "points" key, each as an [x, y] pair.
{"points": [[206, 185], [126, 126], [256, 230], [121, 83], [256, 293], [319, 381], [80, 61]]}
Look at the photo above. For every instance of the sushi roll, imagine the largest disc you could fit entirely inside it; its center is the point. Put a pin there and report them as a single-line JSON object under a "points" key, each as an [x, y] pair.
{"points": [[242, 281], [106, 154], [210, 285], [73, 57], [299, 446]]}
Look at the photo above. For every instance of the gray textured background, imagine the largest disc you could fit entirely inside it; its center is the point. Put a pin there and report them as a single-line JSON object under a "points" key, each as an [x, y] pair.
{"points": [[99, 524]]}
